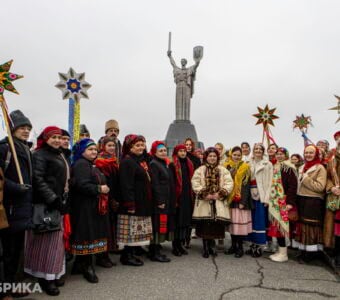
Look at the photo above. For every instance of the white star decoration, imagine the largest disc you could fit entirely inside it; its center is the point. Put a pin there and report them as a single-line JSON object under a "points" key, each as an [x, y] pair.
{"points": [[73, 85]]}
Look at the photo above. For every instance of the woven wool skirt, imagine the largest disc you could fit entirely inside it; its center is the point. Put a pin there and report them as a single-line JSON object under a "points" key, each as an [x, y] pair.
{"points": [[260, 223], [45, 255], [134, 230], [240, 222]]}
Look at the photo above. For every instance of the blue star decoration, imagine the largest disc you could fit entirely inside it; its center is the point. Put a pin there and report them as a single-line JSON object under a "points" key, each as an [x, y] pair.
{"points": [[73, 85]]}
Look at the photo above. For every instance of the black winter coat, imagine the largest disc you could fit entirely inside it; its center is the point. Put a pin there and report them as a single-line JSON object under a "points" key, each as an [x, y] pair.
{"points": [[163, 187], [135, 186], [194, 159], [49, 177], [88, 225], [17, 202]]}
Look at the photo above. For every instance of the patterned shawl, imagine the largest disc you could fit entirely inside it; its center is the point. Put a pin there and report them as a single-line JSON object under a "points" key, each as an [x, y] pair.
{"points": [[240, 171]]}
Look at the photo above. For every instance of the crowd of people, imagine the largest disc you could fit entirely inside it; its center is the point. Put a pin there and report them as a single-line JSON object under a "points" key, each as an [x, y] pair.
{"points": [[79, 205]]}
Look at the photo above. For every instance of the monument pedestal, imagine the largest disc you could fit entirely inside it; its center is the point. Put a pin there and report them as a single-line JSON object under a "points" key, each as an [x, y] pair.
{"points": [[178, 131]]}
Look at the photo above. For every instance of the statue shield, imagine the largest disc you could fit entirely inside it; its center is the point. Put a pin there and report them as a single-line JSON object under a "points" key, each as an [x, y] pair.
{"points": [[198, 53]]}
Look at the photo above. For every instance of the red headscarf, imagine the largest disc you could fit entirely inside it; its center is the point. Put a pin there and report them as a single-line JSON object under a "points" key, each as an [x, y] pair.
{"points": [[336, 134], [155, 145], [129, 141], [46, 134], [316, 160], [178, 170]]}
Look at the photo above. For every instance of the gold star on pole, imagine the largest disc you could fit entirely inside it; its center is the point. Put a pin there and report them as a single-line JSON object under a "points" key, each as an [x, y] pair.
{"points": [[6, 78], [265, 116], [336, 108], [302, 122]]}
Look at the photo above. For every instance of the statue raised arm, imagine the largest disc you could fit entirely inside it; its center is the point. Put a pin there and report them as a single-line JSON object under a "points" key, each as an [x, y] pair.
{"points": [[184, 79]]}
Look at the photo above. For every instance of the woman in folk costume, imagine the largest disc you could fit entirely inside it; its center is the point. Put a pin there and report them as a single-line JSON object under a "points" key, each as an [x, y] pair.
{"points": [[261, 181], [134, 226], [164, 198], [107, 163], [311, 205], [190, 146], [282, 200], [332, 216], [246, 152], [239, 201], [222, 153], [183, 170], [44, 252], [211, 183], [271, 151], [196, 161], [89, 211], [297, 160]]}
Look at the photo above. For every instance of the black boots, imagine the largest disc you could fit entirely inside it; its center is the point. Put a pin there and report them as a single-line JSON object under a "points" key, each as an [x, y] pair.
{"points": [[103, 260], [127, 258], [83, 264], [209, 248], [177, 248], [205, 253], [49, 287], [239, 247], [232, 249], [155, 254], [254, 250], [212, 247], [88, 271]]}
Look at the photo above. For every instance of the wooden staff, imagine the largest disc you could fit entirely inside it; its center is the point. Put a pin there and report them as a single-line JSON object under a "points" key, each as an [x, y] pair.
{"points": [[10, 139]]}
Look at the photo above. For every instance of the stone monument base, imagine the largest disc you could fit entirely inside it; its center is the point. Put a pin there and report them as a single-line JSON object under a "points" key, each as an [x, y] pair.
{"points": [[177, 133]]}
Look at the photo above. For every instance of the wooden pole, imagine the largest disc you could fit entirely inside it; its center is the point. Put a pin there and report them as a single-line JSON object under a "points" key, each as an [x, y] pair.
{"points": [[10, 139]]}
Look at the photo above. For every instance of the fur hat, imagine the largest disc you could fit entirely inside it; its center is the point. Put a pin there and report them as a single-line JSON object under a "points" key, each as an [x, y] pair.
{"points": [[111, 124], [83, 129], [19, 119]]}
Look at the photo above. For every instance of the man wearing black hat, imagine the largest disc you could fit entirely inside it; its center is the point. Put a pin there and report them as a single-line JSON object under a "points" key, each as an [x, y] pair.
{"points": [[17, 198]]}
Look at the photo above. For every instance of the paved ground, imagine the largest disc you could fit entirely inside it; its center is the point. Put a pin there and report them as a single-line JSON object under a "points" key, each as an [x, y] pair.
{"points": [[193, 277]]}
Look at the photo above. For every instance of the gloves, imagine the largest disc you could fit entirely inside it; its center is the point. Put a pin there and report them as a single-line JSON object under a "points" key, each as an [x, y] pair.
{"points": [[24, 188]]}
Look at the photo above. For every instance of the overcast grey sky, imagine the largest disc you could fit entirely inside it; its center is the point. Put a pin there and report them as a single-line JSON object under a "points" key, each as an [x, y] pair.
{"points": [[282, 53]]}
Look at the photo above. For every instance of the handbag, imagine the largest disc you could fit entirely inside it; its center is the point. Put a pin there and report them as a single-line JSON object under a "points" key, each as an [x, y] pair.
{"points": [[293, 215], [103, 199], [103, 204], [44, 219], [333, 202]]}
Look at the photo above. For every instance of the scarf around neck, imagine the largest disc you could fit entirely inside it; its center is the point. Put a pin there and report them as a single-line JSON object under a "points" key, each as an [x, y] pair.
{"points": [[212, 178], [240, 171]]}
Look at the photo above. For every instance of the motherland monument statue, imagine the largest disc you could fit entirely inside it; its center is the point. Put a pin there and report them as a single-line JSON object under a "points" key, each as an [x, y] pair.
{"points": [[184, 78]]}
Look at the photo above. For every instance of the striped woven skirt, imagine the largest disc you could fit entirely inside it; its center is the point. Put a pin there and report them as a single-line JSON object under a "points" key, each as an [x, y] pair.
{"points": [[45, 255], [240, 222]]}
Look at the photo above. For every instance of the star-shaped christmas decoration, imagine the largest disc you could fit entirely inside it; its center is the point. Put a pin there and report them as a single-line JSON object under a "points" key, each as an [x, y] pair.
{"points": [[337, 108], [265, 116], [73, 85], [302, 122], [6, 78]]}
